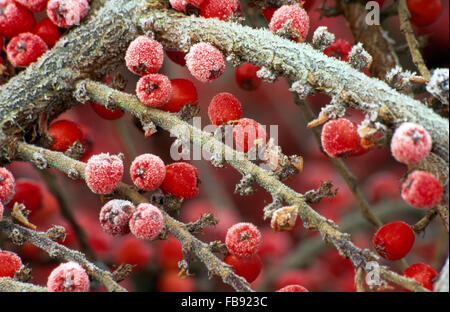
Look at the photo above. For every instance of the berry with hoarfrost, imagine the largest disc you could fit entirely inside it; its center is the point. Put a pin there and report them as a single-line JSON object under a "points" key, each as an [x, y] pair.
{"points": [[247, 267], [47, 31], [224, 107], [340, 137], [68, 277], [64, 134], [394, 240], [220, 9], [25, 49], [293, 288], [154, 90], [33, 5], [243, 239], [147, 172], [144, 56], [10, 263], [422, 190], [292, 19], [67, 13], [14, 19], [146, 222], [247, 133], [115, 216], [410, 143], [423, 273], [183, 93], [103, 173], [181, 180], [205, 62], [7, 185]]}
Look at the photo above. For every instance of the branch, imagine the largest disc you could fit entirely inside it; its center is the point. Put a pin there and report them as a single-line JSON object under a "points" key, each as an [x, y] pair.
{"points": [[311, 219], [19, 234], [7, 284]]}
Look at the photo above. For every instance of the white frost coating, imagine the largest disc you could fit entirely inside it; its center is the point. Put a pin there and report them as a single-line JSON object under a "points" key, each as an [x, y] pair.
{"points": [[438, 85]]}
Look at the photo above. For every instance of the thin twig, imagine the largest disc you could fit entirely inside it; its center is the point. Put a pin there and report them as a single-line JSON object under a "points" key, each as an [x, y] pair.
{"points": [[422, 224]]}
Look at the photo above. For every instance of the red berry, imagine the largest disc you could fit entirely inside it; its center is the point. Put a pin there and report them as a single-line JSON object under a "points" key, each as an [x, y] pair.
{"points": [[154, 90], [410, 143], [67, 13], [183, 93], [422, 190], [177, 57], [295, 18], [181, 180], [7, 186], [170, 282], [115, 216], [246, 132], [246, 77], [186, 6], [103, 173], [14, 19], [339, 49], [47, 31], [146, 222], [10, 263], [268, 13], [220, 9], [33, 5], [423, 273], [243, 239], [134, 251], [106, 113], [293, 288], [144, 56], [340, 137], [424, 12], [394, 240], [68, 277], [64, 134], [170, 251], [29, 193], [25, 49], [224, 107], [205, 62], [147, 172], [249, 268]]}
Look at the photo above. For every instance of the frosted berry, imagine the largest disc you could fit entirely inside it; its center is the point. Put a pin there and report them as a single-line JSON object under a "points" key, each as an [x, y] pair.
{"points": [[249, 267], [293, 288], [340, 137], [144, 56], [423, 273], [177, 57], [154, 90], [64, 134], [224, 107], [293, 19], [7, 185], [10, 263], [205, 62], [181, 180], [339, 49], [183, 93], [115, 216], [47, 31], [186, 6], [25, 49], [247, 132], [424, 12], [103, 173], [394, 240], [246, 77], [422, 190], [146, 222], [220, 9], [14, 19], [67, 13], [410, 143], [147, 172], [68, 277], [243, 239], [29, 193], [33, 5], [106, 113]]}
